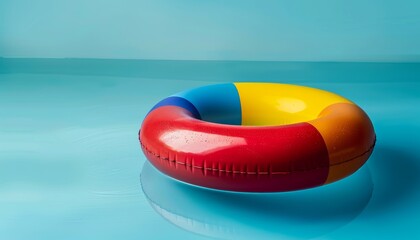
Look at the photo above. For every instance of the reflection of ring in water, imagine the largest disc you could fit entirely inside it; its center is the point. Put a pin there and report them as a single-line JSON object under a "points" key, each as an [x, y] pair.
{"points": [[300, 214]]}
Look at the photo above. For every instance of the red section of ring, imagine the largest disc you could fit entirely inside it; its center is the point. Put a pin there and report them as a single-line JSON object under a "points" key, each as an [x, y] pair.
{"points": [[237, 158]]}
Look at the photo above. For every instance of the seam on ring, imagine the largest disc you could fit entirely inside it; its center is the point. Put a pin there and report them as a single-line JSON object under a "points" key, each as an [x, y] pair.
{"points": [[252, 173], [350, 159]]}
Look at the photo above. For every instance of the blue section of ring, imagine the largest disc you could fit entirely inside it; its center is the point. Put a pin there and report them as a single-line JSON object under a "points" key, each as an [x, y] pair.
{"points": [[179, 102], [216, 103]]}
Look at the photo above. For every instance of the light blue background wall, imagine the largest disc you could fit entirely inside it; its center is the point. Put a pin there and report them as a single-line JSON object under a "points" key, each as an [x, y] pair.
{"points": [[319, 30]]}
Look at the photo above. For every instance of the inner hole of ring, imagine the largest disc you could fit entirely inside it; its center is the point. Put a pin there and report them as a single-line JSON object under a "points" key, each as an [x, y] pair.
{"points": [[266, 112]]}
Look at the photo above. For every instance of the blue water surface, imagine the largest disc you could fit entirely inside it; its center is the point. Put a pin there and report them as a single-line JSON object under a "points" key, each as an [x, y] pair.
{"points": [[71, 165]]}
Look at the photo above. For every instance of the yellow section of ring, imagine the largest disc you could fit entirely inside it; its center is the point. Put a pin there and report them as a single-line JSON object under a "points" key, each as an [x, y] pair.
{"points": [[269, 104]]}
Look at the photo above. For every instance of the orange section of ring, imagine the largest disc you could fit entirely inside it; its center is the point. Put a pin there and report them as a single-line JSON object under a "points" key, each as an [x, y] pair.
{"points": [[349, 136]]}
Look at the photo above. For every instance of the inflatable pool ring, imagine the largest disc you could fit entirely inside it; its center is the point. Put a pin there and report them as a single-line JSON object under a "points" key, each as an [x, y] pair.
{"points": [[257, 137]]}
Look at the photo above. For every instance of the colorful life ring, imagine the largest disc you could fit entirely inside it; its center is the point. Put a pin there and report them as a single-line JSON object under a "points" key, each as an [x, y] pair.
{"points": [[257, 137]]}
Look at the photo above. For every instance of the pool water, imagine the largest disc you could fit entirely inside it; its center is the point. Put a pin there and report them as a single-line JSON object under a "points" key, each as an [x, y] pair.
{"points": [[71, 165]]}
